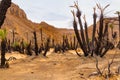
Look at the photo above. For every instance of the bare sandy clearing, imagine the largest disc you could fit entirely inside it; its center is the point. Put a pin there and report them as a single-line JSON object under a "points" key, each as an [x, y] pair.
{"points": [[67, 66]]}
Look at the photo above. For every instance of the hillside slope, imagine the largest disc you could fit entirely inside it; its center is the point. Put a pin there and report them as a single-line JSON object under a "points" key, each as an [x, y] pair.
{"points": [[16, 20]]}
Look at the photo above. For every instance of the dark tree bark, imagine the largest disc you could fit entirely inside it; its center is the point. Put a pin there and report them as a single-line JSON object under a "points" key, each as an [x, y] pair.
{"points": [[3, 51], [74, 43], [9, 46], [4, 5], [28, 48], [94, 30], [100, 35], [99, 45], [82, 31], [22, 46], [78, 35], [119, 27], [35, 43], [86, 35], [47, 47]]}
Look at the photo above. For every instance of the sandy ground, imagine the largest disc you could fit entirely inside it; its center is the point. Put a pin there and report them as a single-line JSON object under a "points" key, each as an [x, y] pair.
{"points": [[57, 66]]}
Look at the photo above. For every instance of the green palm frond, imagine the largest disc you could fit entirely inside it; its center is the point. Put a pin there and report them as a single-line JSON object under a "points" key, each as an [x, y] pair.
{"points": [[15, 44], [111, 26], [3, 33]]}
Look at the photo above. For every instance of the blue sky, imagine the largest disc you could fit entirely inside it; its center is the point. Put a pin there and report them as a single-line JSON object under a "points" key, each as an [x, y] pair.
{"points": [[58, 12]]}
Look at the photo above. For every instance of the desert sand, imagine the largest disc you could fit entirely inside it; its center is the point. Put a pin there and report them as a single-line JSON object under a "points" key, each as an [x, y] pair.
{"points": [[57, 66]]}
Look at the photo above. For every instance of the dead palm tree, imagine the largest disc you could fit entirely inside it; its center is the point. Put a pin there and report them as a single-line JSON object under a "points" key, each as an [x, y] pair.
{"points": [[101, 22], [98, 44], [3, 34], [94, 29], [118, 13], [4, 5]]}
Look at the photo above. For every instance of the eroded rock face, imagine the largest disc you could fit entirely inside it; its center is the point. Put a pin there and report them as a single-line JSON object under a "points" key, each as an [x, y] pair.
{"points": [[16, 11]]}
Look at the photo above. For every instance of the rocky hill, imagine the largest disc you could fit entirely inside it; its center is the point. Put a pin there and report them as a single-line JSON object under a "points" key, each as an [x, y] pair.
{"points": [[16, 20]]}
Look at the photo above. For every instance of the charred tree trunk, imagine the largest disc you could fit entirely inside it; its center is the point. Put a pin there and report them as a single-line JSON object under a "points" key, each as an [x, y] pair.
{"points": [[86, 34], [74, 43], [78, 35], [100, 35], [22, 47], [119, 24], [35, 43], [81, 31], [63, 44], [105, 34], [9, 46], [94, 30], [99, 45], [119, 32], [47, 47], [3, 50], [67, 45], [28, 48], [4, 5]]}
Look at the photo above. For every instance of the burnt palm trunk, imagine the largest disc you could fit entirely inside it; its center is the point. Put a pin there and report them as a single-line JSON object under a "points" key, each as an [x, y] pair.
{"points": [[4, 5], [3, 50], [82, 32], [78, 35], [47, 47], [63, 44], [119, 30], [67, 43], [9, 46], [35, 43], [119, 25], [99, 45], [105, 34], [100, 35], [28, 48], [74, 43], [94, 31], [86, 34]]}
